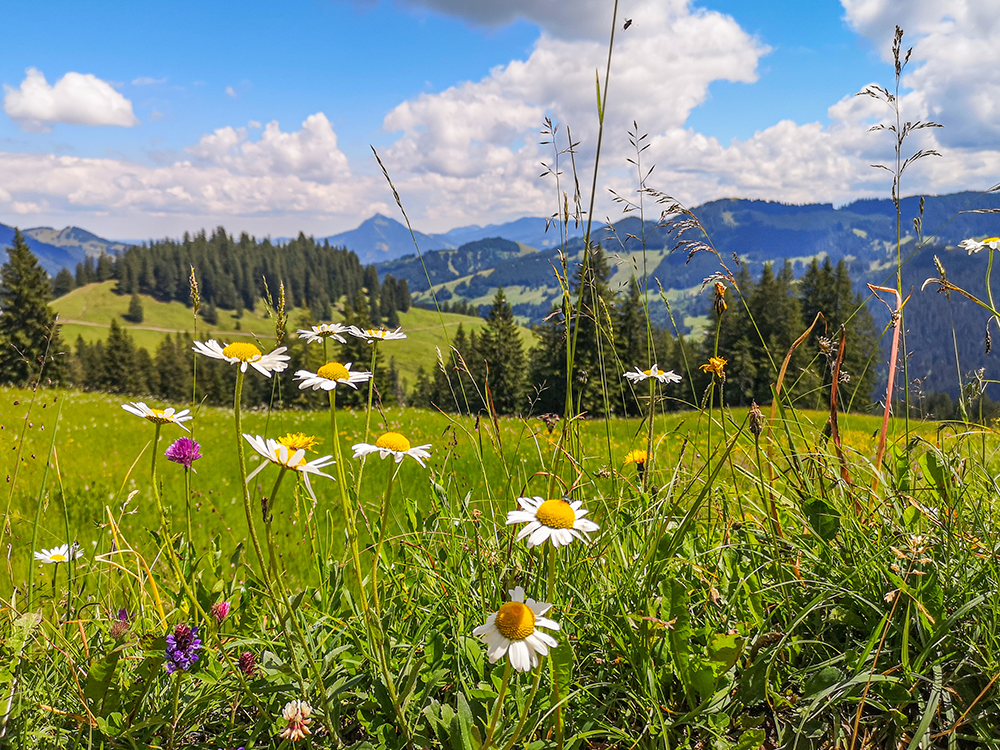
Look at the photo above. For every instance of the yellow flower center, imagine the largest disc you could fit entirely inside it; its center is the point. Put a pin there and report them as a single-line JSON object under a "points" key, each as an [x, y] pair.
{"points": [[334, 371], [647, 373], [556, 514], [57, 557], [635, 457], [988, 240], [515, 621], [242, 351], [295, 440], [393, 441]]}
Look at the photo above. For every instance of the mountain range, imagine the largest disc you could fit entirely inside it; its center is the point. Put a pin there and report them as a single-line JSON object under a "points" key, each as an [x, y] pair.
{"points": [[57, 249], [381, 239], [468, 263]]}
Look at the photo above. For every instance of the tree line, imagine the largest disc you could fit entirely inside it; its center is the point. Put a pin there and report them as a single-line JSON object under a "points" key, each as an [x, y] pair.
{"points": [[753, 327], [232, 271]]}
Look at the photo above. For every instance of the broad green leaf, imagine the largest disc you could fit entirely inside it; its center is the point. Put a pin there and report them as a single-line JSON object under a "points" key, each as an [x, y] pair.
{"points": [[823, 519]]}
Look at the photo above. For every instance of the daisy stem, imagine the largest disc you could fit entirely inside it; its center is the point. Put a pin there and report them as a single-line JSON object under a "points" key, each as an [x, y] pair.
{"points": [[156, 442], [526, 710], [496, 706], [349, 519], [649, 440], [247, 509], [552, 667], [268, 516], [368, 415], [379, 644]]}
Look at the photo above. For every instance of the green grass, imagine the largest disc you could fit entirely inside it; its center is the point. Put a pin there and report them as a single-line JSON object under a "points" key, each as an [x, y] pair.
{"points": [[103, 454], [89, 310]]}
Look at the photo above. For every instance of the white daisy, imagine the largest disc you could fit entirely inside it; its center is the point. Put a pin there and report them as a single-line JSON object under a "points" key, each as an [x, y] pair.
{"points": [[513, 630], [292, 458], [371, 335], [395, 444], [330, 375], [662, 376], [62, 554], [317, 334], [558, 520], [245, 354], [159, 416], [974, 246]]}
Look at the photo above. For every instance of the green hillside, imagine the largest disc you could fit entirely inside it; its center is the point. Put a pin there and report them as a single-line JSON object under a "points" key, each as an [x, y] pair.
{"points": [[89, 310]]}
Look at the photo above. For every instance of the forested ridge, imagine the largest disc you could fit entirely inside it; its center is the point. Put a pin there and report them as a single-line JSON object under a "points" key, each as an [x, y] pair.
{"points": [[753, 328]]}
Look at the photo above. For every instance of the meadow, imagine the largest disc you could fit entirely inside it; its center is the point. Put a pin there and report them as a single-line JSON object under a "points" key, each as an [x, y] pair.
{"points": [[88, 311], [717, 577]]}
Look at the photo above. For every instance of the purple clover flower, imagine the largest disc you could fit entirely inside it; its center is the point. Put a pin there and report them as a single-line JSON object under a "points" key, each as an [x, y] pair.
{"points": [[183, 451], [182, 648]]}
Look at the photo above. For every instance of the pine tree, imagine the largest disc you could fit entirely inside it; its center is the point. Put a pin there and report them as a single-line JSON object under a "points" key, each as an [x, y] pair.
{"points": [[63, 283], [829, 290], [105, 267], [403, 295], [135, 313], [26, 322], [595, 372], [631, 343], [210, 314], [119, 371], [171, 364], [501, 349]]}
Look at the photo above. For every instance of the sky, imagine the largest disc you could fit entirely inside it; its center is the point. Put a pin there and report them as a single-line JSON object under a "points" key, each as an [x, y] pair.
{"points": [[138, 121]]}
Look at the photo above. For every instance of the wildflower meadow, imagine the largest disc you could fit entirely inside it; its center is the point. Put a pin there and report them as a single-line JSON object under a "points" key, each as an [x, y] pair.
{"points": [[808, 570]]}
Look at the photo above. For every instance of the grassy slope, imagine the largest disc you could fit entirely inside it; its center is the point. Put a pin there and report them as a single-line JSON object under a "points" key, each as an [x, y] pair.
{"points": [[97, 443], [89, 310]]}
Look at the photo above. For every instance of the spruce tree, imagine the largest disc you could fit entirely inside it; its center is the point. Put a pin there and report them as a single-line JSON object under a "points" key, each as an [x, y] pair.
{"points": [[594, 369], [402, 295], [63, 283], [119, 370], [27, 323], [829, 290], [631, 343], [502, 351], [105, 267], [135, 313]]}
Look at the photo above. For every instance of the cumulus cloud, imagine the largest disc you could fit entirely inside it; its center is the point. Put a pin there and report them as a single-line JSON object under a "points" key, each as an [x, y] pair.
{"points": [[76, 98], [486, 131], [226, 178], [955, 66], [310, 153]]}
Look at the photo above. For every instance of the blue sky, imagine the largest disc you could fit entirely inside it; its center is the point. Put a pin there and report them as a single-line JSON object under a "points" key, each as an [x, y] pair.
{"points": [[156, 121]]}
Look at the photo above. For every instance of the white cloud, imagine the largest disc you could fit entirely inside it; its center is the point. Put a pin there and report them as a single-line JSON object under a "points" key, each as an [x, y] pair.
{"points": [[254, 125], [310, 153], [76, 98], [228, 178], [148, 81], [955, 66], [477, 141], [230, 91]]}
